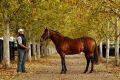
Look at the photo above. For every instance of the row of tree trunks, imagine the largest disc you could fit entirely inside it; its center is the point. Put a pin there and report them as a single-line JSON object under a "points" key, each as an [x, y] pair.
{"points": [[46, 50], [117, 57], [39, 51]]}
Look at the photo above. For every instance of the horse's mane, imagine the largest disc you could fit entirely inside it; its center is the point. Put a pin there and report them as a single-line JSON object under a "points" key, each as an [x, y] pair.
{"points": [[57, 32], [61, 34]]}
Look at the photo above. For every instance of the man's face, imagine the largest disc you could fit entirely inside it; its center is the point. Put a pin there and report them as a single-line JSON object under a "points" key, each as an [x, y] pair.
{"points": [[21, 32]]}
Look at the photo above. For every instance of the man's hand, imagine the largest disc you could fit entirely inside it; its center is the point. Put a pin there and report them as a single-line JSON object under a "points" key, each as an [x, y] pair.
{"points": [[27, 50]]}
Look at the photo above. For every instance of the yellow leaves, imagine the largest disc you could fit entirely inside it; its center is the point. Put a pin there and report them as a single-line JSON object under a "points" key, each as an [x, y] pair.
{"points": [[115, 3], [72, 1], [61, 14]]}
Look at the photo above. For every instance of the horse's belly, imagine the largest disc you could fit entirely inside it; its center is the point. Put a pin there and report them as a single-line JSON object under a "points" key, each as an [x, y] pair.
{"points": [[75, 52], [72, 52]]}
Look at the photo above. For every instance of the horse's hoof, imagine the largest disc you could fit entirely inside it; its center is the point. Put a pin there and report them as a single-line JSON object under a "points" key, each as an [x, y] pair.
{"points": [[90, 71], [63, 72], [84, 71]]}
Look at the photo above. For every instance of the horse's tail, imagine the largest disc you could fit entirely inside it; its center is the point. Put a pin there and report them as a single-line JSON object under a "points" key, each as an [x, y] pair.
{"points": [[96, 54]]}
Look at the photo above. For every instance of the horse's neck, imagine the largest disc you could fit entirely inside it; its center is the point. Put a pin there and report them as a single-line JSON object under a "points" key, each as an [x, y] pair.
{"points": [[57, 39]]}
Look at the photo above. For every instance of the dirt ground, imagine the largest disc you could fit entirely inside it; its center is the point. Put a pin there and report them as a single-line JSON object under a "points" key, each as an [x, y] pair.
{"points": [[49, 68]]}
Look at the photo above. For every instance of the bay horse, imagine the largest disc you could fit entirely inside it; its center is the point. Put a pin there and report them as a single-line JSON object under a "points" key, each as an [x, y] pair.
{"points": [[68, 46]]}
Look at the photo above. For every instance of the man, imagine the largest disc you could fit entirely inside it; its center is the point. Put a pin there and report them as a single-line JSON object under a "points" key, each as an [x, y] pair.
{"points": [[22, 50]]}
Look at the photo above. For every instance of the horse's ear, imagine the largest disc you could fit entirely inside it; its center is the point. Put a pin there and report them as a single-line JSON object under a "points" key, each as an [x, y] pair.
{"points": [[45, 27]]}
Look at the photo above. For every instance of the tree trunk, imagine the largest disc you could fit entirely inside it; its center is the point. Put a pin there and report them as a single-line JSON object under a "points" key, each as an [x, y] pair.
{"points": [[47, 50], [38, 50], [116, 42], [44, 51], [54, 50], [101, 51], [34, 50], [41, 50], [29, 56], [107, 51], [6, 53], [29, 53], [107, 45]]}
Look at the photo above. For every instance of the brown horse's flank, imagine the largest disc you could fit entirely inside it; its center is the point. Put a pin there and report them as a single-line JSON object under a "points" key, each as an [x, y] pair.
{"points": [[68, 46]]}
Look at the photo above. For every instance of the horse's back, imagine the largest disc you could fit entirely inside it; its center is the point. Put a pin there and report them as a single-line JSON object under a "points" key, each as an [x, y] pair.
{"points": [[87, 38]]}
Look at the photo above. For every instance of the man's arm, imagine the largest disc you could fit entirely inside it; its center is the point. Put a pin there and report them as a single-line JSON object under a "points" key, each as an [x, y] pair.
{"points": [[23, 46]]}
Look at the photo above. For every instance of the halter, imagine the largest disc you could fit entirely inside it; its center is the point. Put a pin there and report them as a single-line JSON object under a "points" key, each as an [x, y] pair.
{"points": [[48, 34]]}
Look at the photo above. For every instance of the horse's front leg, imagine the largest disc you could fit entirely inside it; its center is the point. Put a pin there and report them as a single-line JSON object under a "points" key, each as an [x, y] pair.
{"points": [[64, 69]]}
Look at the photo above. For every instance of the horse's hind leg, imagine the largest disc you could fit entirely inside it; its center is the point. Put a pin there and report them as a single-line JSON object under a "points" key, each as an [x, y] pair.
{"points": [[92, 64], [88, 61]]}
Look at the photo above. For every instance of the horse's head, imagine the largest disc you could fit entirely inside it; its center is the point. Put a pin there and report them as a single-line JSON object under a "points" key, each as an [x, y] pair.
{"points": [[46, 34]]}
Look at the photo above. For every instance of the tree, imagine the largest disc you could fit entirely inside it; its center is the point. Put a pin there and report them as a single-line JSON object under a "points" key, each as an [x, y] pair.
{"points": [[116, 41], [6, 56]]}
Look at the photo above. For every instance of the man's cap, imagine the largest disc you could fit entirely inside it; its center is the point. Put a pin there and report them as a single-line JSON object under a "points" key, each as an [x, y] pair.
{"points": [[20, 30]]}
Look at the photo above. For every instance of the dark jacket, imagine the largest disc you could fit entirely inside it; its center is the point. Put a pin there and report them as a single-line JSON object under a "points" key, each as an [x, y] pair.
{"points": [[23, 42]]}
